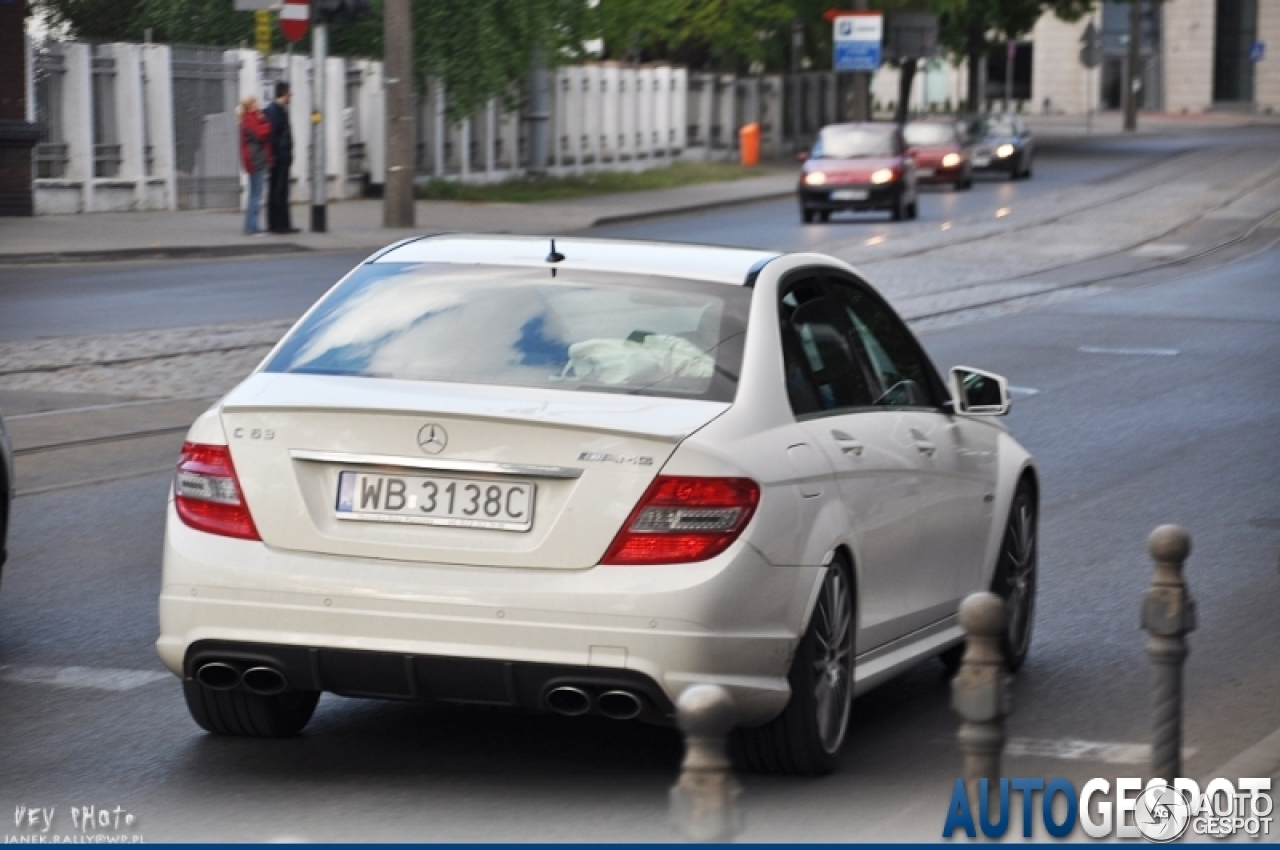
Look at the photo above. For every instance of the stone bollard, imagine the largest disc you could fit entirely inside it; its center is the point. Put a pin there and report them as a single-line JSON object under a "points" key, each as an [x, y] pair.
{"points": [[980, 691], [1168, 615], [704, 798]]}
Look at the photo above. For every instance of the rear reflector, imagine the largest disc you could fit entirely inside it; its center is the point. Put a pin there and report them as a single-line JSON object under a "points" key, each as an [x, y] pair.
{"points": [[682, 519], [207, 493]]}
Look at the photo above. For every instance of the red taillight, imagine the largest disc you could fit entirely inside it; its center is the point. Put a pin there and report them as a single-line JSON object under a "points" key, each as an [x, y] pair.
{"points": [[207, 493], [681, 519]]}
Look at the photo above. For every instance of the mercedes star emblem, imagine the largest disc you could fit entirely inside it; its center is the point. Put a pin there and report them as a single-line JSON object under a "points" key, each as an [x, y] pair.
{"points": [[432, 439]]}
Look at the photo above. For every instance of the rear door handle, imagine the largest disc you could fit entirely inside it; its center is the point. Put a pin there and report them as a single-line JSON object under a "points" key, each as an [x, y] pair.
{"points": [[925, 448], [847, 444]]}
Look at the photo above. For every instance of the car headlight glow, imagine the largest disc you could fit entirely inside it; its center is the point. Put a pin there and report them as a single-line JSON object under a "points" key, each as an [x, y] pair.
{"points": [[951, 160], [815, 178], [883, 175], [1004, 150]]}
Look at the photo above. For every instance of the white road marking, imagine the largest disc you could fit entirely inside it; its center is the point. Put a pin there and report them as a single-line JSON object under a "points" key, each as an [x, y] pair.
{"points": [[1072, 750], [94, 678], [1168, 249], [875, 240], [1023, 391], [1131, 352]]}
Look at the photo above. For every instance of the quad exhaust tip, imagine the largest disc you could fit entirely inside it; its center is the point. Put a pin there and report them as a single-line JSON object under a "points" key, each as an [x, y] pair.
{"points": [[218, 676], [619, 705], [569, 701], [264, 681]]}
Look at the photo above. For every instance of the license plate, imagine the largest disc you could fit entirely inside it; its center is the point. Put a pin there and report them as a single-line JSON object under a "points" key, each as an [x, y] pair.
{"points": [[982, 161], [924, 172], [849, 195], [434, 500]]}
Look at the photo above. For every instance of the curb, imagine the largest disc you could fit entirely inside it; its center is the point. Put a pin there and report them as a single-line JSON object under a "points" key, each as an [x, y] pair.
{"points": [[175, 252], [627, 218], [1262, 759]]}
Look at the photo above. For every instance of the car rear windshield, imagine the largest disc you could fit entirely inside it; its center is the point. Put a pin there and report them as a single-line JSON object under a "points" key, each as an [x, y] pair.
{"points": [[930, 134], [851, 142], [520, 327]]}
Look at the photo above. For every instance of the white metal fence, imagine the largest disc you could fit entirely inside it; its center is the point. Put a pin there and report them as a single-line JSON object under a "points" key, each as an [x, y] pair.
{"points": [[151, 126]]}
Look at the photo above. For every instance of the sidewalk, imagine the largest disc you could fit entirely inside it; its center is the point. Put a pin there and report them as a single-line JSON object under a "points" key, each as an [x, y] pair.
{"points": [[352, 225], [1111, 123]]}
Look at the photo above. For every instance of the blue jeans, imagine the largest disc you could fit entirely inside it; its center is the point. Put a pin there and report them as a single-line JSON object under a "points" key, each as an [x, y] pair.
{"points": [[251, 209]]}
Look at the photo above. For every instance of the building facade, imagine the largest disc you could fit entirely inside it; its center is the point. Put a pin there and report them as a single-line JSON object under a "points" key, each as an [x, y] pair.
{"points": [[1196, 55]]}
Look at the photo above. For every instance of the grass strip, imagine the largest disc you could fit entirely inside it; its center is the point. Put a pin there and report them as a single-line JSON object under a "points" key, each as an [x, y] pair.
{"points": [[528, 189]]}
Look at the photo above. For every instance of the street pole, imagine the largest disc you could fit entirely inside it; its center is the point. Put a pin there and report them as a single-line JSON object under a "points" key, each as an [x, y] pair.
{"points": [[861, 82], [397, 38], [1010, 53], [797, 44], [319, 52], [539, 114], [1131, 75]]}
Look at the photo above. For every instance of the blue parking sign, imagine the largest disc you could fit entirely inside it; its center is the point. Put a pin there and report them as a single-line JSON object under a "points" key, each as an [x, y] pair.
{"points": [[857, 38], [1258, 51]]}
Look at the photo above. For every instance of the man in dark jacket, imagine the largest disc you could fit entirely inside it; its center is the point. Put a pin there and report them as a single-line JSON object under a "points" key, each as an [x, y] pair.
{"points": [[277, 113]]}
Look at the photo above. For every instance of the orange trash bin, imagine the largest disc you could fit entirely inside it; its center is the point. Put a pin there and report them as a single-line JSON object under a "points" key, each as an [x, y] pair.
{"points": [[749, 144]]}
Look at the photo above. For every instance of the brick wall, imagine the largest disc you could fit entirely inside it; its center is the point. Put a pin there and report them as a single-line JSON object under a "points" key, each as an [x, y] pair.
{"points": [[16, 135]]}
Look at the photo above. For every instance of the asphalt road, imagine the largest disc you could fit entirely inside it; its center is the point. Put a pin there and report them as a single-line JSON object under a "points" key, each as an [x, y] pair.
{"points": [[1151, 404], [72, 300]]}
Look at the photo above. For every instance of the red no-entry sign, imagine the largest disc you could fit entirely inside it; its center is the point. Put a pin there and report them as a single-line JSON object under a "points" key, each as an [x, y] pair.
{"points": [[295, 17]]}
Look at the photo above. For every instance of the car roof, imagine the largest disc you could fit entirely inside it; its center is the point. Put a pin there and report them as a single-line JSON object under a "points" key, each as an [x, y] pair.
{"points": [[659, 259]]}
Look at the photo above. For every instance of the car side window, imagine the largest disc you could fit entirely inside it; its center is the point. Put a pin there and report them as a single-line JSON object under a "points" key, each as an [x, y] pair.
{"points": [[901, 370], [823, 369]]}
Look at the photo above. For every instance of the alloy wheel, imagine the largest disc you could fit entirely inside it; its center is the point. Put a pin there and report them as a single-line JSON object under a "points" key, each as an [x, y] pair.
{"points": [[833, 659], [1019, 561]]}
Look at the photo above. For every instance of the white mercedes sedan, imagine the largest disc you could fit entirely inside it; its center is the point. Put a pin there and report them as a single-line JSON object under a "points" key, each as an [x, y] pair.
{"points": [[580, 476]]}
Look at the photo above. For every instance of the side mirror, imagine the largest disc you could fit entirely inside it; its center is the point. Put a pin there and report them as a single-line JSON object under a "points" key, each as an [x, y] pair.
{"points": [[803, 156], [978, 393]]}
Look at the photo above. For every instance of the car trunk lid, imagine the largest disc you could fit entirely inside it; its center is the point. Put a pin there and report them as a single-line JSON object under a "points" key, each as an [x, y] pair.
{"points": [[578, 461]]}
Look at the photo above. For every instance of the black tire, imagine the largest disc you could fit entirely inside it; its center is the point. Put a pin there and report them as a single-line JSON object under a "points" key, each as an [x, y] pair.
{"points": [[806, 738], [824, 216], [899, 211], [1014, 647], [806, 215], [913, 211], [249, 715], [1015, 577], [965, 183], [1026, 173]]}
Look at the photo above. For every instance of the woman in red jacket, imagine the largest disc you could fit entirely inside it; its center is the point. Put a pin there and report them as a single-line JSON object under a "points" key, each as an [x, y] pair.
{"points": [[255, 156]]}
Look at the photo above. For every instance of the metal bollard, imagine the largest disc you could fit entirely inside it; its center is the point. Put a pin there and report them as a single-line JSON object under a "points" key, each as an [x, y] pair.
{"points": [[704, 798], [980, 690], [1168, 615]]}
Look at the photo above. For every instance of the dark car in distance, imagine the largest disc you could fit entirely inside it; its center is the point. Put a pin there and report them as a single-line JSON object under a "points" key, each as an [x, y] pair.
{"points": [[940, 153], [858, 167], [1001, 143]]}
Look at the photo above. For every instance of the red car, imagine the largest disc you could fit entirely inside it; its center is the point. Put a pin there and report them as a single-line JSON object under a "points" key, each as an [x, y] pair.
{"points": [[858, 167], [940, 154]]}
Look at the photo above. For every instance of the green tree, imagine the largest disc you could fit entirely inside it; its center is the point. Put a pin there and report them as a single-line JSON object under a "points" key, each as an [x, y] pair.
{"points": [[970, 28], [480, 48]]}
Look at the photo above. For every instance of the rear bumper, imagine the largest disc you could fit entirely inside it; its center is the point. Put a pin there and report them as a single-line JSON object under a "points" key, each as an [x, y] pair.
{"points": [[402, 676], [878, 197], [466, 634]]}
